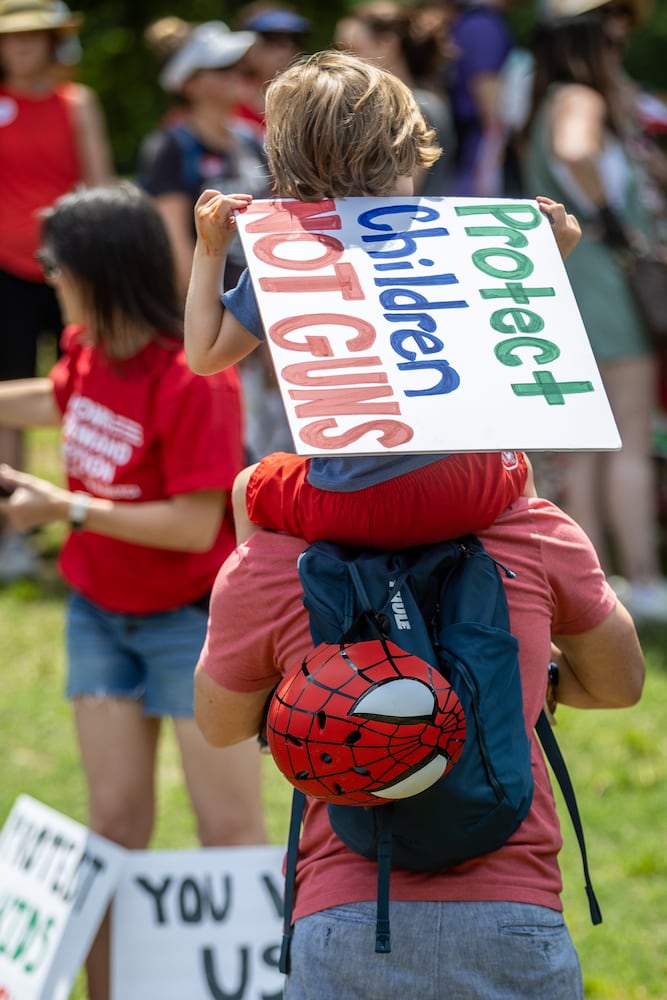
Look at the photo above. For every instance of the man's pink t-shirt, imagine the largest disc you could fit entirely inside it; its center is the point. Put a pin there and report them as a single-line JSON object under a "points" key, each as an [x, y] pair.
{"points": [[258, 630]]}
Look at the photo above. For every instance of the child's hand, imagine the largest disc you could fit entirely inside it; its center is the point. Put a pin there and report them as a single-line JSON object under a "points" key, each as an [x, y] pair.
{"points": [[214, 218], [566, 228]]}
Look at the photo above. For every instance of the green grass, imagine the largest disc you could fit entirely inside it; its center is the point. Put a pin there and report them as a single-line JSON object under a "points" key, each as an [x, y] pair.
{"points": [[618, 762]]}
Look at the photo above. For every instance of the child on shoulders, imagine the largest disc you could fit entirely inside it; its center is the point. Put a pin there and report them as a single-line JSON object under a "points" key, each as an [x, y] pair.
{"points": [[338, 127]]}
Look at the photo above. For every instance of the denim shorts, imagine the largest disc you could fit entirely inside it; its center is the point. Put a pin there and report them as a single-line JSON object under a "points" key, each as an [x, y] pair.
{"points": [[148, 658], [439, 951]]}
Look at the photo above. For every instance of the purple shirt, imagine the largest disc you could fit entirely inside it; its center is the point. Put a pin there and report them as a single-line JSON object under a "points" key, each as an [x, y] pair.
{"points": [[483, 41]]}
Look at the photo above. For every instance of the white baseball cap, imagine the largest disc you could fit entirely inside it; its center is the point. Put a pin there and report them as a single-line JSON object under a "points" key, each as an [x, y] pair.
{"points": [[211, 45]]}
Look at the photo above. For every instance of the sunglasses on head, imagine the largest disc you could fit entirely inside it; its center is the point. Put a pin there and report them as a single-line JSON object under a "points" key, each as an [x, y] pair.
{"points": [[48, 263]]}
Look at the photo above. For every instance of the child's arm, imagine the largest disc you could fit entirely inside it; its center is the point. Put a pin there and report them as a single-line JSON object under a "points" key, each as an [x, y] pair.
{"points": [[566, 228], [214, 339]]}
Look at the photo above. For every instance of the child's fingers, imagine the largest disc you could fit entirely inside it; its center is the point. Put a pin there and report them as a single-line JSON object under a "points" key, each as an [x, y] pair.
{"points": [[206, 197], [556, 214], [243, 199], [565, 227], [210, 197], [219, 209], [547, 204], [553, 210]]}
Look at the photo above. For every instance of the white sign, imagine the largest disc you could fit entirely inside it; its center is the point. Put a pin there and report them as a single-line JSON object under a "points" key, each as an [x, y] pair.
{"points": [[423, 325], [56, 880], [201, 925]]}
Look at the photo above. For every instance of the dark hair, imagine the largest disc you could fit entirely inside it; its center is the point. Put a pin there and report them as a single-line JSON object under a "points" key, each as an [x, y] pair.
{"points": [[574, 50], [112, 239]]}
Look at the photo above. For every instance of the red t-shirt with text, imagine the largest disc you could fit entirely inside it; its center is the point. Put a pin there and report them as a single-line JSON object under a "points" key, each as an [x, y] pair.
{"points": [[144, 429]]}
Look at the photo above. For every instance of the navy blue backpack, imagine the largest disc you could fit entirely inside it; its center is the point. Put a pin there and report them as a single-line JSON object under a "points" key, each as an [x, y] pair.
{"points": [[446, 604]]}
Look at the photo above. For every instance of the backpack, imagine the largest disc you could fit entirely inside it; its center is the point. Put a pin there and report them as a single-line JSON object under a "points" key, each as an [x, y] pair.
{"points": [[445, 603]]}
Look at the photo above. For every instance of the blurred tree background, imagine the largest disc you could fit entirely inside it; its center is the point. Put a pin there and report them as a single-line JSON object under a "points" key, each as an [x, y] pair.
{"points": [[123, 72]]}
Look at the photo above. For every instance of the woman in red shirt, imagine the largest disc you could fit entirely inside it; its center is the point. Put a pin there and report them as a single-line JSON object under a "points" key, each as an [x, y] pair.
{"points": [[150, 453], [52, 137]]}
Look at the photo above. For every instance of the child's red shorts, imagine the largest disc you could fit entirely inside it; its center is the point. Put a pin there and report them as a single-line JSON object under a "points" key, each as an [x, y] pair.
{"points": [[459, 494]]}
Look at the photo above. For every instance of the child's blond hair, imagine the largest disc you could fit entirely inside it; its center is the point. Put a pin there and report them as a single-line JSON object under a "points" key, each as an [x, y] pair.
{"points": [[337, 126]]}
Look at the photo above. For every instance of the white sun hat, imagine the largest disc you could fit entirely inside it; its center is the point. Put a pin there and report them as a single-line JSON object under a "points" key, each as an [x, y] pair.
{"points": [[37, 15], [211, 45]]}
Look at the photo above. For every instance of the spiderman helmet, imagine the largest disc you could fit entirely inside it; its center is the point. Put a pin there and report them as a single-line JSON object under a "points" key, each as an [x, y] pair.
{"points": [[364, 723]]}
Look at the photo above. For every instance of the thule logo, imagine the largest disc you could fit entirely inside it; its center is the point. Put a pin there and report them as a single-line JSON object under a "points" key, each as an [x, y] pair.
{"points": [[399, 612]]}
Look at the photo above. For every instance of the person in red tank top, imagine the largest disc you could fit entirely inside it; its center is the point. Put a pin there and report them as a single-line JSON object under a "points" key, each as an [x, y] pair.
{"points": [[52, 137]]}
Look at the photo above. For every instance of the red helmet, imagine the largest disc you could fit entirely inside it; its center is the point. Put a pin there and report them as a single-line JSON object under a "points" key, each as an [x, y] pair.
{"points": [[364, 723]]}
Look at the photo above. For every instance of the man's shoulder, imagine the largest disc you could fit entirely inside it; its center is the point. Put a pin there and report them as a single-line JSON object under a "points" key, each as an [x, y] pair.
{"points": [[531, 520], [260, 577], [265, 555]]}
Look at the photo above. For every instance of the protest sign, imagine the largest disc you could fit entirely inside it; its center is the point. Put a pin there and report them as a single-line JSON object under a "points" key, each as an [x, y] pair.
{"points": [[56, 880], [423, 325], [203, 924]]}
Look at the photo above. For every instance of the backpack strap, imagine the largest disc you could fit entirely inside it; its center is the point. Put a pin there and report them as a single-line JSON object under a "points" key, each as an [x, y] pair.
{"points": [[382, 935], [368, 616], [298, 803], [550, 746]]}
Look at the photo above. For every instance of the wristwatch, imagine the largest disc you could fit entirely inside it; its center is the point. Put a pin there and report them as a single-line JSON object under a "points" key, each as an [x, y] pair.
{"points": [[78, 511]]}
